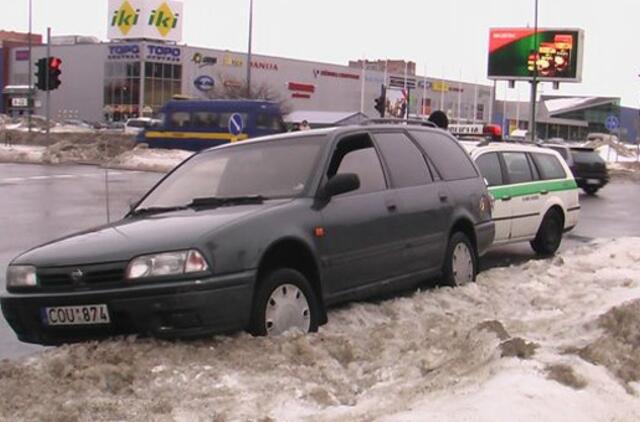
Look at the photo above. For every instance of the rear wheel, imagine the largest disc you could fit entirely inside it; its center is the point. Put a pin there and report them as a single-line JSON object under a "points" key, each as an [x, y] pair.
{"points": [[549, 236], [460, 261], [591, 190], [284, 300]]}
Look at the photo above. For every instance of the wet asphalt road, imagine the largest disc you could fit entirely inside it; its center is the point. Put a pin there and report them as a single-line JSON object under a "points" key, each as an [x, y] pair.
{"points": [[43, 202]]}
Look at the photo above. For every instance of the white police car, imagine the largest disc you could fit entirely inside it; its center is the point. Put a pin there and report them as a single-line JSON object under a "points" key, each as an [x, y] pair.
{"points": [[535, 197]]}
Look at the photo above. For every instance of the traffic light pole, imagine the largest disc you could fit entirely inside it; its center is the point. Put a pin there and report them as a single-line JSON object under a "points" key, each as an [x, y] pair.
{"points": [[48, 109], [30, 91]]}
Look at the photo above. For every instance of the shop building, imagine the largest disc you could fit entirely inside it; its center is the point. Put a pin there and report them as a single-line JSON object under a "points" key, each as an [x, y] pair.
{"points": [[115, 80]]}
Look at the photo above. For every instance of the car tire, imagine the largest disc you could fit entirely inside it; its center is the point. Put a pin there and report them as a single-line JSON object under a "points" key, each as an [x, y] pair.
{"points": [[460, 261], [284, 300], [549, 235], [590, 190]]}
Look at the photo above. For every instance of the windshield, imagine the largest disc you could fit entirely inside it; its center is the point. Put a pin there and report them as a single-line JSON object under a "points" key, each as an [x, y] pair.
{"points": [[271, 169]]}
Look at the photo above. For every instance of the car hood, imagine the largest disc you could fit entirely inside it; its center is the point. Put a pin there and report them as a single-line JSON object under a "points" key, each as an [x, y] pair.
{"points": [[130, 237]]}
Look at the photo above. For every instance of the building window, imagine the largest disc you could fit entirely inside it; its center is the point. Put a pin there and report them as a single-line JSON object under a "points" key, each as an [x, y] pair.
{"points": [[161, 82], [121, 90], [122, 87], [480, 112]]}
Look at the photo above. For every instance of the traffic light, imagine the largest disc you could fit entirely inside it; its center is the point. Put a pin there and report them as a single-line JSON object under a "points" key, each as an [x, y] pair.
{"points": [[48, 74], [54, 73], [42, 74], [381, 101]]}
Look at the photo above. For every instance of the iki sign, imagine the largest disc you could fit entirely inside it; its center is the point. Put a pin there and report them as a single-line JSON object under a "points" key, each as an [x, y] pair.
{"points": [[150, 19]]}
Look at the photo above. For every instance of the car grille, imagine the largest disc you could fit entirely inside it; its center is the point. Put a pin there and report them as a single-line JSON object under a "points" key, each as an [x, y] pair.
{"points": [[81, 275]]}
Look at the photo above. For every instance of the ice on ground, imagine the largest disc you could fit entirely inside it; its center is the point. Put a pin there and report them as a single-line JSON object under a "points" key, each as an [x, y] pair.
{"points": [[435, 355]]}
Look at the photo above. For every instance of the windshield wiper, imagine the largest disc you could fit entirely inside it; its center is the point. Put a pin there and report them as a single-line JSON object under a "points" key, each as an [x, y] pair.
{"points": [[219, 201], [204, 202], [156, 210]]}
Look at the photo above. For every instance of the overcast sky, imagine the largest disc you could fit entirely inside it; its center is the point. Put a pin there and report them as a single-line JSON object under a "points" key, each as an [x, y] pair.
{"points": [[447, 38]]}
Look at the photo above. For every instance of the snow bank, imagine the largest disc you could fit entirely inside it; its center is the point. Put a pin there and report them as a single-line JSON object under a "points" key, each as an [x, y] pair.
{"points": [[550, 339], [100, 152]]}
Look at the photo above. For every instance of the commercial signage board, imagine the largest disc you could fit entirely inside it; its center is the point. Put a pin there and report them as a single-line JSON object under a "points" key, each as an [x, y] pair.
{"points": [[149, 19], [514, 54]]}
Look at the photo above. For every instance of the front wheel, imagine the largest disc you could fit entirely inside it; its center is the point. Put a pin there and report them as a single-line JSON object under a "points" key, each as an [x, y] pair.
{"points": [[549, 236], [460, 261], [284, 300]]}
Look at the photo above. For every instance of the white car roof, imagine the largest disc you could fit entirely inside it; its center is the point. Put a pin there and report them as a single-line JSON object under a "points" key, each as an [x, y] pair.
{"points": [[475, 148]]}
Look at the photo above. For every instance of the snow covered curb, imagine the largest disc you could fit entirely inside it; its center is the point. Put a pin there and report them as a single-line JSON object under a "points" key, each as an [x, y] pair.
{"points": [[159, 160], [552, 339]]}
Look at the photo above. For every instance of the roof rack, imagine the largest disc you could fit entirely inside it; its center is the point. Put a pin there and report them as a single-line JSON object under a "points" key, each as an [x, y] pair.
{"points": [[389, 120]]}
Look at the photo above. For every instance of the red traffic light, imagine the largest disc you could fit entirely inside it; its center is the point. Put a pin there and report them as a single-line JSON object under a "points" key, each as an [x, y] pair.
{"points": [[54, 63]]}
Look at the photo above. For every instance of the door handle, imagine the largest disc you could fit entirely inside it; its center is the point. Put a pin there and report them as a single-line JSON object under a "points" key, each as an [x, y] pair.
{"points": [[506, 198], [443, 196], [544, 192], [391, 206]]}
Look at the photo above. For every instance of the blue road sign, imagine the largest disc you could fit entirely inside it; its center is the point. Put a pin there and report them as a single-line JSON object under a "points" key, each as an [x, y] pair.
{"points": [[236, 124], [612, 122]]}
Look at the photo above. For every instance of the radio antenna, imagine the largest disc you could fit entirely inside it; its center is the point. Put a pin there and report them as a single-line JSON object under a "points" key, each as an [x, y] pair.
{"points": [[106, 190]]}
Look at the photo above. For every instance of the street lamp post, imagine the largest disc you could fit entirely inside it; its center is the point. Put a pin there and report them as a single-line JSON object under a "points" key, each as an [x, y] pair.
{"points": [[249, 49], [534, 81]]}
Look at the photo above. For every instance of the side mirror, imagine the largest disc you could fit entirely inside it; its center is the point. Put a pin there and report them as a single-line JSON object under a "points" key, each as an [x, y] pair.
{"points": [[340, 183]]}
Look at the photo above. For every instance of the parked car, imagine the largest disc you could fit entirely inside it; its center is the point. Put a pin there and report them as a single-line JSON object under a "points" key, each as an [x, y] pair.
{"points": [[535, 195], [588, 168], [136, 125], [263, 235]]}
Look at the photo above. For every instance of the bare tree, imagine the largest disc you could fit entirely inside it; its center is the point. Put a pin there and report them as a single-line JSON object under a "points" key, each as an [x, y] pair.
{"points": [[232, 89]]}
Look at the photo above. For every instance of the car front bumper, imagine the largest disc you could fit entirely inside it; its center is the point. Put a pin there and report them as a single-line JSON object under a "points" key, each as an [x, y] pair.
{"points": [[178, 309]]}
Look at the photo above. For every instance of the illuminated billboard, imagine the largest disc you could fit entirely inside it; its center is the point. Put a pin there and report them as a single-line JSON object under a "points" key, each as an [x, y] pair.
{"points": [[514, 54]]}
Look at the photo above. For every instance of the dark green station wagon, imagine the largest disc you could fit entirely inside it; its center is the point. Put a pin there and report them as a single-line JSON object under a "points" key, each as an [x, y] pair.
{"points": [[263, 236]]}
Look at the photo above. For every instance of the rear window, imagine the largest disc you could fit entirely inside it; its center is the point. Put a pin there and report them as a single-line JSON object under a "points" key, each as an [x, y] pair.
{"points": [[450, 159], [586, 156], [549, 166], [560, 150]]}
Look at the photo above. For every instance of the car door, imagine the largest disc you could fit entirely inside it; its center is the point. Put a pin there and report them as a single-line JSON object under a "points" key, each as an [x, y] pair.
{"points": [[524, 194], [420, 221], [358, 247], [491, 168]]}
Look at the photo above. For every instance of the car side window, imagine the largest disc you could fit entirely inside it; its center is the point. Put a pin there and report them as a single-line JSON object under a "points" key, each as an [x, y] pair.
{"points": [[356, 154], [549, 166], [517, 166], [490, 168], [405, 162], [450, 159]]}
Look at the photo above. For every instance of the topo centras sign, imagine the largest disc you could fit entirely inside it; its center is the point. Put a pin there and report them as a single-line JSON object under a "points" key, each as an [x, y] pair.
{"points": [[163, 53]]}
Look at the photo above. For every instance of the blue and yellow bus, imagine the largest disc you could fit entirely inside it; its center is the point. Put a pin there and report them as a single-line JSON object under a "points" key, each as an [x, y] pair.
{"points": [[197, 124]]}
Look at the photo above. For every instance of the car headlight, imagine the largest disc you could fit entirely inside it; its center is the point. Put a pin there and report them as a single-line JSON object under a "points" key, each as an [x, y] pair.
{"points": [[167, 263], [21, 276]]}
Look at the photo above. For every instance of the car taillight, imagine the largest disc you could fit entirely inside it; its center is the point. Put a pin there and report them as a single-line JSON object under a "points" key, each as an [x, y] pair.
{"points": [[485, 205]]}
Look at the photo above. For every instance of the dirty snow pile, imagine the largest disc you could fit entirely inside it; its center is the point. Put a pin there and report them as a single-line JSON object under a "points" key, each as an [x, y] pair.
{"points": [[549, 340], [100, 153]]}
